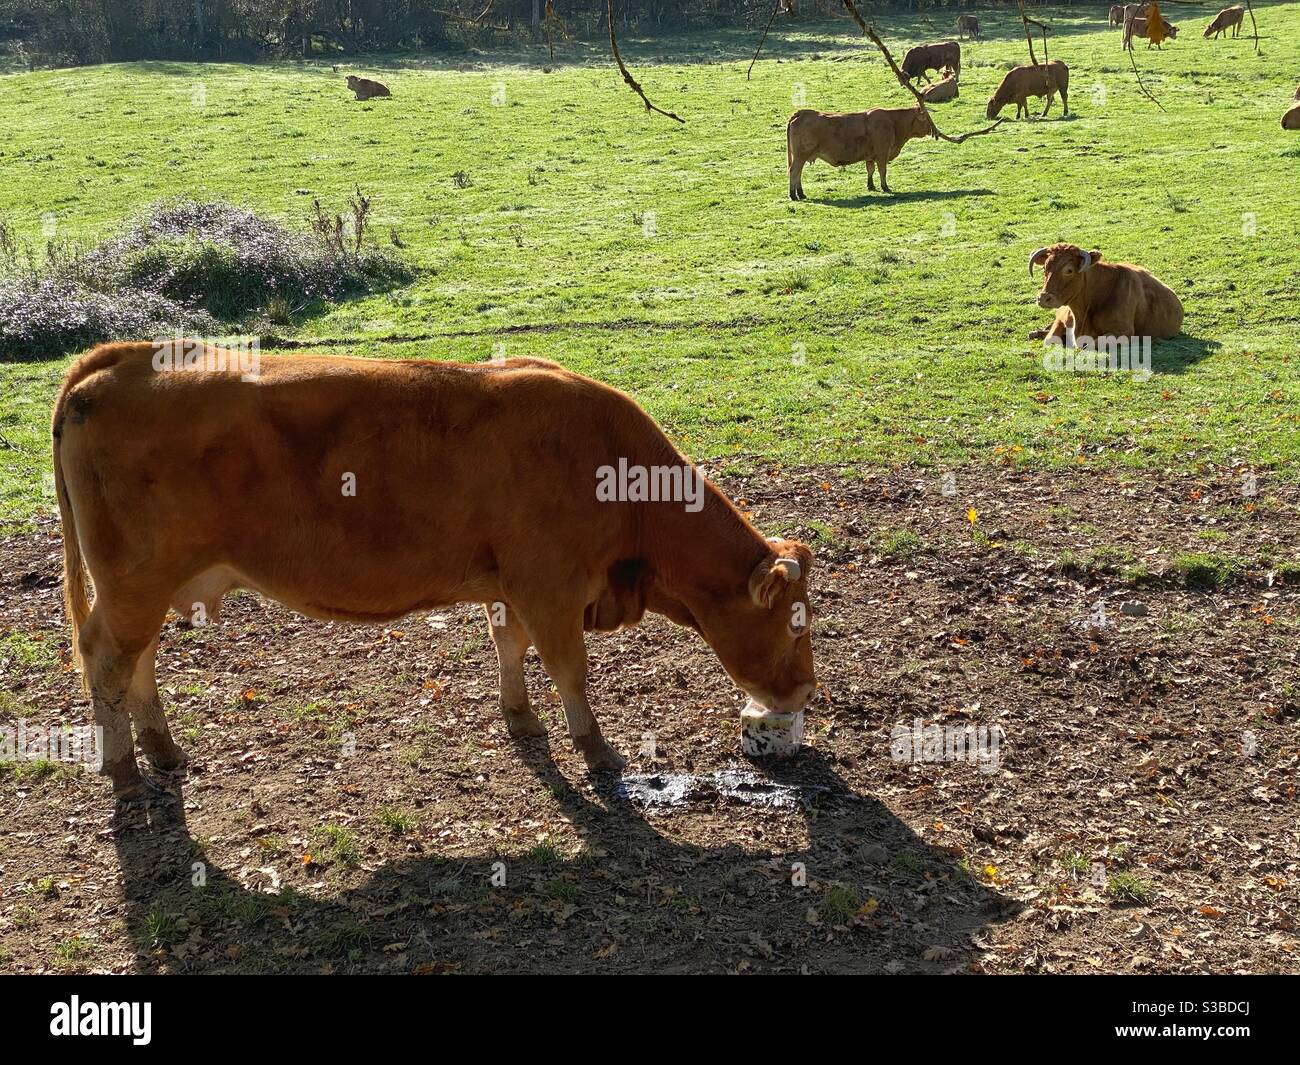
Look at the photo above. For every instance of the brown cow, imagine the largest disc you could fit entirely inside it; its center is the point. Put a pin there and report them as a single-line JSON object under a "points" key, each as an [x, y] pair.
{"points": [[1020, 83], [942, 90], [365, 88], [1096, 299], [361, 490], [968, 24], [1137, 27], [874, 137], [1227, 19], [926, 57], [1291, 117], [1117, 15]]}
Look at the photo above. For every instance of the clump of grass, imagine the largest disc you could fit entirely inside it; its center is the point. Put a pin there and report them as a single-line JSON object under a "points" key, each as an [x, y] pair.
{"points": [[1206, 569], [899, 543], [333, 843], [397, 822], [838, 905], [1126, 887]]}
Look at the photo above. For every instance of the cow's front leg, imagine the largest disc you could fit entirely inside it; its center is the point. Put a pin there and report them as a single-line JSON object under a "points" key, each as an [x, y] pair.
{"points": [[884, 181], [871, 176], [512, 643], [564, 654], [1058, 328]]}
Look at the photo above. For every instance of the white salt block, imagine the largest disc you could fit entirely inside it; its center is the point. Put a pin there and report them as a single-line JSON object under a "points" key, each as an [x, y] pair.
{"points": [[765, 733]]}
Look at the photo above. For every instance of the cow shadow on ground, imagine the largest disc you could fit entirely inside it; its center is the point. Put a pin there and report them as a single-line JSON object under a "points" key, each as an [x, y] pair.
{"points": [[1181, 353], [868, 199], [634, 898]]}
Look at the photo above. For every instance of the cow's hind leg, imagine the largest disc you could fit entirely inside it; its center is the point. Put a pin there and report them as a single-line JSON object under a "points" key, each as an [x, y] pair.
{"points": [[871, 176], [512, 645], [564, 654], [146, 710], [1047, 106], [111, 642], [884, 181]]}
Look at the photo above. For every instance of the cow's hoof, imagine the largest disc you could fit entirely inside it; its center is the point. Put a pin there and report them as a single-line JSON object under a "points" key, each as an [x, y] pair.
{"points": [[162, 752], [521, 723], [601, 757]]}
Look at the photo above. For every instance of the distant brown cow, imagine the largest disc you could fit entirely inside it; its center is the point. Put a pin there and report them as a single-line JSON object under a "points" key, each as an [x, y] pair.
{"points": [[874, 137], [1291, 118], [365, 88], [1117, 15], [926, 57], [1137, 27], [1096, 299], [1020, 83], [1227, 19], [362, 490], [943, 90], [968, 24]]}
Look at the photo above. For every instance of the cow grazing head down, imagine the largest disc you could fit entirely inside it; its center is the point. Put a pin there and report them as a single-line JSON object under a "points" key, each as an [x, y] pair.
{"points": [[762, 633], [1063, 268]]}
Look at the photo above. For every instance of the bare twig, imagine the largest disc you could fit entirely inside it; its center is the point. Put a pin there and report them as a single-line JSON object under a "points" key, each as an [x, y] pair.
{"points": [[1029, 37], [889, 58], [627, 76], [775, 8], [1142, 88], [465, 18], [1254, 26]]}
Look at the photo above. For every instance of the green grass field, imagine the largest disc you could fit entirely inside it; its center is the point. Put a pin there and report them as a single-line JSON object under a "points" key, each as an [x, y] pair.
{"points": [[668, 261]]}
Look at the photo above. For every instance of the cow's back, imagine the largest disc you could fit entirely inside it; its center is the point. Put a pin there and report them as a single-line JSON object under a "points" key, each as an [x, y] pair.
{"points": [[325, 466]]}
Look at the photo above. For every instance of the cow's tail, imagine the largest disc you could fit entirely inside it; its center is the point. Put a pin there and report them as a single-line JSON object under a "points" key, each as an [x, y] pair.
{"points": [[76, 588]]}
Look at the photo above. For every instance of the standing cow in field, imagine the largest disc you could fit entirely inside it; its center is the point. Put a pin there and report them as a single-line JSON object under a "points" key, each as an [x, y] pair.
{"points": [[1137, 27], [1020, 83], [362, 490], [1227, 19], [1096, 299], [969, 25], [1117, 15], [874, 137], [926, 57]]}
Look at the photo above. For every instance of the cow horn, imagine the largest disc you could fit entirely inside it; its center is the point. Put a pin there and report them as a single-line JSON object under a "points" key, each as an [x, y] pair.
{"points": [[1032, 258], [789, 568], [1087, 261]]}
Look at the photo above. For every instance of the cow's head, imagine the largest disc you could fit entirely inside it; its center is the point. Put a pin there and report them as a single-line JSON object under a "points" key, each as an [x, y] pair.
{"points": [[1171, 31], [996, 104], [352, 81], [1063, 268], [921, 125], [761, 630]]}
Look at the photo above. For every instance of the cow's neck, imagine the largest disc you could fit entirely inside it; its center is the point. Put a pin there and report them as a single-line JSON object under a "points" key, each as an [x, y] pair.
{"points": [[700, 552], [1096, 283]]}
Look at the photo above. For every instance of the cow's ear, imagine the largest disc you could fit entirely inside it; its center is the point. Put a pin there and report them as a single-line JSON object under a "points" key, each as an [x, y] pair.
{"points": [[1095, 256], [776, 571]]}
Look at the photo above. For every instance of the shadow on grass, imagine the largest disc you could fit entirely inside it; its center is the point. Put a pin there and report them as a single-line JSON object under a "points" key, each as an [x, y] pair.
{"points": [[634, 899], [1181, 353], [884, 198]]}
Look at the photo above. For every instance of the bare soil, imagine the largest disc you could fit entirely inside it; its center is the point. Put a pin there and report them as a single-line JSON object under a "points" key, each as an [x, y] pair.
{"points": [[352, 790]]}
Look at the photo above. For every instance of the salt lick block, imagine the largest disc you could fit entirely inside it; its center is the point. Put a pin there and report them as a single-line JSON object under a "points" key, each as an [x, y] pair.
{"points": [[766, 733]]}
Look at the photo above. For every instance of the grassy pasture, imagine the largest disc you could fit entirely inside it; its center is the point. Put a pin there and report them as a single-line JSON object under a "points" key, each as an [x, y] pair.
{"points": [[668, 261]]}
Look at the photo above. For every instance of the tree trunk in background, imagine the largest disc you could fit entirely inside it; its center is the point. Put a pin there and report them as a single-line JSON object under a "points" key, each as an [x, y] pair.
{"points": [[537, 13], [198, 26]]}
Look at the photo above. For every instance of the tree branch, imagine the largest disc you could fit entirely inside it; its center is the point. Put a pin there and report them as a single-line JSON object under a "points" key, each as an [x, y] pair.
{"points": [[627, 77], [870, 32], [775, 8]]}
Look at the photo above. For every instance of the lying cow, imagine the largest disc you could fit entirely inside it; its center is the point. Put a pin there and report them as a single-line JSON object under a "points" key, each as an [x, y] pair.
{"points": [[969, 25], [1137, 27], [943, 90], [926, 57], [1020, 83], [365, 88], [361, 490], [1096, 299], [1227, 19], [1291, 117], [874, 137]]}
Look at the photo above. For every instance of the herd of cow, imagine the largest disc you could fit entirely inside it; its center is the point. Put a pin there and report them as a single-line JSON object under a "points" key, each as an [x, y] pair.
{"points": [[364, 490], [875, 137]]}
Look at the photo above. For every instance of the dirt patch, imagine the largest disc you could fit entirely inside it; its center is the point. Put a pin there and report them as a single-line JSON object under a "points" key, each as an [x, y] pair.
{"points": [[1118, 650]]}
